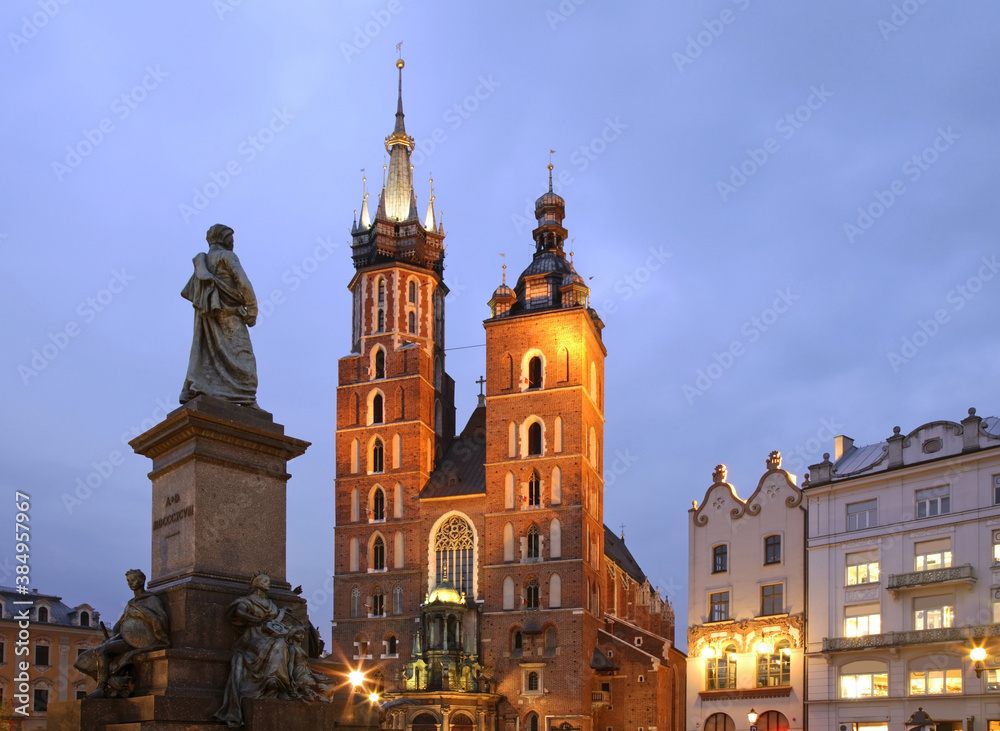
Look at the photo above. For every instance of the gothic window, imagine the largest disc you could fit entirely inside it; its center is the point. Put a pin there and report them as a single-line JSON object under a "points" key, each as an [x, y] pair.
{"points": [[555, 539], [508, 372], [550, 638], [381, 291], [508, 592], [378, 602], [378, 504], [397, 457], [380, 362], [534, 489], [534, 542], [508, 494], [353, 557], [378, 554], [531, 722], [381, 320], [355, 602], [535, 372], [555, 591], [413, 292], [377, 409], [355, 457], [719, 722], [531, 594], [357, 409], [397, 551], [397, 599], [391, 647], [355, 502], [397, 507], [534, 439], [412, 323], [517, 641], [454, 547], [508, 542], [555, 489], [562, 361], [378, 455]]}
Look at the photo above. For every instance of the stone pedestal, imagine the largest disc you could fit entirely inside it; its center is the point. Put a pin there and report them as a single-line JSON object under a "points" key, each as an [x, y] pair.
{"points": [[218, 519]]}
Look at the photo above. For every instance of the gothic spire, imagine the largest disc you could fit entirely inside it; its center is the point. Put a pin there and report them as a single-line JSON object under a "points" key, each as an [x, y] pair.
{"points": [[399, 186]]}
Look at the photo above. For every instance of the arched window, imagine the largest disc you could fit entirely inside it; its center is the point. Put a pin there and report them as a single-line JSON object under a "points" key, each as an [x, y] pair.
{"points": [[356, 602], [516, 641], [397, 457], [531, 594], [531, 722], [355, 505], [378, 554], [380, 361], [355, 457], [378, 602], [353, 555], [425, 722], [535, 372], [534, 542], [508, 491], [534, 439], [357, 409], [378, 456], [397, 503], [774, 668], [555, 489], [461, 722], [378, 504], [508, 542], [534, 489], [533, 685], [84, 619], [381, 291], [377, 409], [412, 322], [593, 447], [550, 638], [413, 292], [381, 320], [719, 722], [722, 670], [555, 591], [43, 614], [557, 439], [593, 381], [454, 546], [397, 599], [555, 539], [512, 439], [772, 721], [508, 593], [390, 645], [397, 552]]}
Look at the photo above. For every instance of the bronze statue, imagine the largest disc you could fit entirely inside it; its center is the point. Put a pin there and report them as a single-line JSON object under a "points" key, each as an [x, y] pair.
{"points": [[268, 658], [143, 626], [222, 362]]}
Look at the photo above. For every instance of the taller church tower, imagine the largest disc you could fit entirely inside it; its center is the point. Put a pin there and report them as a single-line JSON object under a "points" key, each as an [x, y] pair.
{"points": [[395, 411]]}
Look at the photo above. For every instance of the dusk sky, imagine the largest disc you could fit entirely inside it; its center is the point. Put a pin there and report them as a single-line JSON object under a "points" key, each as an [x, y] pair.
{"points": [[786, 212]]}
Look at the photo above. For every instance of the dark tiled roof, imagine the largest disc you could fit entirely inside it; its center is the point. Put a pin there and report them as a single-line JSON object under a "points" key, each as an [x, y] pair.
{"points": [[614, 548], [59, 613], [600, 661], [463, 470]]}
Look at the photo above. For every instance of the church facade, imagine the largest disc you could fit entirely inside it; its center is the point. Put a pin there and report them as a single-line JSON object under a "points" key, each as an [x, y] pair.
{"points": [[476, 585]]}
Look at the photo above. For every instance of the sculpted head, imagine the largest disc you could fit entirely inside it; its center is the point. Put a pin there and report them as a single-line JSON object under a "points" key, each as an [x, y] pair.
{"points": [[135, 578], [260, 581], [221, 235]]}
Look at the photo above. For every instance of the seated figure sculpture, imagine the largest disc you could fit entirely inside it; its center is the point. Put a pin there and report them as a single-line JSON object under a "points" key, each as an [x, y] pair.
{"points": [[268, 659], [143, 626]]}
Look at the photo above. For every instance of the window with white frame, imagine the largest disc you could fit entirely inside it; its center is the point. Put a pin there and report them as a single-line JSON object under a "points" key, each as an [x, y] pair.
{"points": [[862, 515], [772, 599], [996, 606], [930, 555], [862, 619], [992, 680], [933, 612], [720, 670], [933, 501], [864, 679], [532, 679], [935, 682], [720, 558], [996, 489], [862, 567], [718, 606]]}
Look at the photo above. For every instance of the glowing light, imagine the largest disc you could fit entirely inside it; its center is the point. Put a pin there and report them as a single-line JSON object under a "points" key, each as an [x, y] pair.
{"points": [[373, 697], [978, 654], [752, 716], [356, 677], [708, 653], [762, 648]]}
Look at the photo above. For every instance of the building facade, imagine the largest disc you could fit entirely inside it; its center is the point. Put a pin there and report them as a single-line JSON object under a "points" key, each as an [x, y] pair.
{"points": [[474, 583], [747, 605], [57, 635], [904, 579]]}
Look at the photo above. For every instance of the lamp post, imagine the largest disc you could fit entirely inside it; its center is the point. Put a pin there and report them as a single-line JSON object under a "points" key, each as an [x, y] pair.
{"points": [[920, 721], [978, 656], [752, 717]]}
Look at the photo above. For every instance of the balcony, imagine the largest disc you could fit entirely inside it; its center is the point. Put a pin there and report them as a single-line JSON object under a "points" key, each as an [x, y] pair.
{"points": [[951, 575], [912, 637], [600, 698]]}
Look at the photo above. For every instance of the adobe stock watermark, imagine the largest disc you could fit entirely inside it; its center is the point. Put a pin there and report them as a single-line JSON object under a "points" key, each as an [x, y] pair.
{"points": [[102, 470], [618, 465], [88, 310], [752, 330], [365, 34], [30, 26], [248, 150], [913, 169], [295, 275], [900, 16], [225, 7], [714, 28], [562, 12], [581, 158], [797, 461], [454, 117], [121, 107], [958, 298], [786, 126], [628, 285]]}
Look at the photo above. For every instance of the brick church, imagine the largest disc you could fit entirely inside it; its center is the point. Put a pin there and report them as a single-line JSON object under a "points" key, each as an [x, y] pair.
{"points": [[476, 584]]}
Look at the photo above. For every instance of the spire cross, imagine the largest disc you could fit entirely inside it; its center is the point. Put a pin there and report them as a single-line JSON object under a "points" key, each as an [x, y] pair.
{"points": [[622, 526], [481, 381], [504, 267], [551, 153], [399, 49]]}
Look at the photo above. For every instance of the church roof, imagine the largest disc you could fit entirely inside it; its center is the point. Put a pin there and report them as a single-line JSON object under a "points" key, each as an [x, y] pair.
{"points": [[463, 469], [614, 548]]}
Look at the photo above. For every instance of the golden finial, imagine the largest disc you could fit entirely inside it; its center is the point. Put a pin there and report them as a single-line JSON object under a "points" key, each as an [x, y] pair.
{"points": [[504, 268], [430, 182], [384, 168], [551, 153], [364, 183], [399, 50]]}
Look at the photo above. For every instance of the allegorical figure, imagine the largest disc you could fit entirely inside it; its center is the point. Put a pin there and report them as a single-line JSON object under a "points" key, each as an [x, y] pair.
{"points": [[143, 626], [268, 660], [222, 363]]}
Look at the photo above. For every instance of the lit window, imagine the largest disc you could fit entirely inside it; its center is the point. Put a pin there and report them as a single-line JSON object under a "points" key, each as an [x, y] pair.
{"points": [[534, 542], [996, 547], [933, 612], [772, 599], [862, 515], [454, 546], [718, 606], [378, 602], [930, 555], [720, 559], [775, 667], [862, 619], [862, 568], [721, 670], [864, 685], [992, 680], [933, 501], [935, 682], [378, 504], [534, 489], [772, 549]]}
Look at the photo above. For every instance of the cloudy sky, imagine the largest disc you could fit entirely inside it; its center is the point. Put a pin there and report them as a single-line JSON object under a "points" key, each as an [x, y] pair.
{"points": [[787, 210]]}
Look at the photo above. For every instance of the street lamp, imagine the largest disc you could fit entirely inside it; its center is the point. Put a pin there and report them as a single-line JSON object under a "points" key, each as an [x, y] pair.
{"points": [[978, 656], [752, 717], [373, 697], [357, 678], [920, 721]]}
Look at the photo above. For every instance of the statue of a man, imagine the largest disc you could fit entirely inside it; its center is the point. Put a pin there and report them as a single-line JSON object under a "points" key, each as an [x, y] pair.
{"points": [[143, 626], [222, 364]]}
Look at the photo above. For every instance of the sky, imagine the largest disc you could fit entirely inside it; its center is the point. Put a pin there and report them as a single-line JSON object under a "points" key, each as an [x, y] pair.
{"points": [[783, 210]]}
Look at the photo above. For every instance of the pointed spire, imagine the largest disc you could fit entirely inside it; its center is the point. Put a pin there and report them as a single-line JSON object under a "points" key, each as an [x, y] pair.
{"points": [[429, 219], [400, 128], [398, 197]]}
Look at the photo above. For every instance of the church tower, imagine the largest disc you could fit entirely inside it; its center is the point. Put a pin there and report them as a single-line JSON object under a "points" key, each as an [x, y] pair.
{"points": [[543, 561], [395, 412]]}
